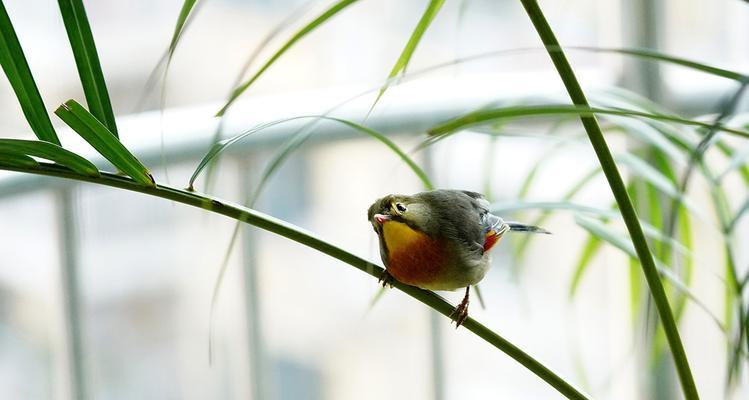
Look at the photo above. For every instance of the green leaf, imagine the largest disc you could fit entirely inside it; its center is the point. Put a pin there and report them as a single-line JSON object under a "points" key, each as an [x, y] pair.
{"points": [[738, 160], [87, 61], [590, 248], [737, 217], [531, 176], [329, 13], [184, 13], [421, 27], [650, 230], [635, 290], [686, 140], [622, 243], [221, 146], [729, 152], [684, 232], [491, 115], [647, 172], [571, 193], [104, 141], [392, 146], [657, 56], [13, 61], [12, 159], [48, 151]]}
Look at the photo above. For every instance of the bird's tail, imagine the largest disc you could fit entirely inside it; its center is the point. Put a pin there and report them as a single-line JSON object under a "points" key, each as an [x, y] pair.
{"points": [[518, 227]]}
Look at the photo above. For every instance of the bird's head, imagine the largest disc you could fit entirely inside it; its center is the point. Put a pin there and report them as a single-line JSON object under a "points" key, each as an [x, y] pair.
{"points": [[409, 210]]}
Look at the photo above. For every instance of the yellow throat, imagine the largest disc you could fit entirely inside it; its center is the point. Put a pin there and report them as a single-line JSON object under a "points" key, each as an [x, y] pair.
{"points": [[399, 236]]}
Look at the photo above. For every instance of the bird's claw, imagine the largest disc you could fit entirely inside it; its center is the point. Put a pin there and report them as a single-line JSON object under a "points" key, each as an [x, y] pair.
{"points": [[386, 279], [460, 313]]}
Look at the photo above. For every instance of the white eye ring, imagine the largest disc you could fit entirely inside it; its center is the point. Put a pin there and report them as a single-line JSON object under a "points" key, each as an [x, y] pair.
{"points": [[400, 207]]}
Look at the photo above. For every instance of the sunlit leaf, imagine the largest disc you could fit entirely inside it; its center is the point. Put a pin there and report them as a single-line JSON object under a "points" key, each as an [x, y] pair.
{"points": [[647, 172], [184, 13], [491, 115], [400, 65], [317, 22], [620, 242], [658, 56], [223, 145], [589, 250], [650, 230]]}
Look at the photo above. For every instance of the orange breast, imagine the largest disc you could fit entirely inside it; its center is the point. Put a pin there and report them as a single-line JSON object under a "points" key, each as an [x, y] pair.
{"points": [[414, 258]]}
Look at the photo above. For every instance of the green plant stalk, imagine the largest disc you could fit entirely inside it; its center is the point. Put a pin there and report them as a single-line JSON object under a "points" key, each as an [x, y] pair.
{"points": [[622, 198], [281, 228]]}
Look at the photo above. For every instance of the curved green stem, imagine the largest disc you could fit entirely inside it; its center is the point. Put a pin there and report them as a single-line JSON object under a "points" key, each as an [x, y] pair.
{"points": [[289, 231], [622, 198]]}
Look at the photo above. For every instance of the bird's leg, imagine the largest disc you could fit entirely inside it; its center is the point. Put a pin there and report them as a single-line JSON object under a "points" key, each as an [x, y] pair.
{"points": [[386, 279], [461, 311]]}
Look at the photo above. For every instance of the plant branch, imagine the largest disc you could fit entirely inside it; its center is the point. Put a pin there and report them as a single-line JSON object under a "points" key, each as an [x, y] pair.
{"points": [[289, 231], [622, 198]]}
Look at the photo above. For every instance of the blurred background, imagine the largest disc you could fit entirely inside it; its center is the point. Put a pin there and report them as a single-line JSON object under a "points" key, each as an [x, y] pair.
{"points": [[106, 294]]}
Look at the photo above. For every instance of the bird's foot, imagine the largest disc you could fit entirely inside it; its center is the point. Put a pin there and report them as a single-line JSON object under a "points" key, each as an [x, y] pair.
{"points": [[460, 313], [386, 279]]}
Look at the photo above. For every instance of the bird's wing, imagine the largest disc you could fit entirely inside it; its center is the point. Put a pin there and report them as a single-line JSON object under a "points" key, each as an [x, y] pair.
{"points": [[493, 227]]}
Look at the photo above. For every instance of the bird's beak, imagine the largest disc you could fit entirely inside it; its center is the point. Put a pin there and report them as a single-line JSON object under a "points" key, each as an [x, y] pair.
{"points": [[382, 218]]}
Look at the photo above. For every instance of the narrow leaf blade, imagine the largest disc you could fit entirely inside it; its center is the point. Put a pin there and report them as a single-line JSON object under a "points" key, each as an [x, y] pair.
{"points": [[16, 68], [223, 145], [87, 61], [421, 27], [49, 151], [491, 115], [104, 141], [317, 22]]}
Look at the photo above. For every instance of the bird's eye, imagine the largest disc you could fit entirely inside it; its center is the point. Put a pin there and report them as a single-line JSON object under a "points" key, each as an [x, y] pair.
{"points": [[400, 207]]}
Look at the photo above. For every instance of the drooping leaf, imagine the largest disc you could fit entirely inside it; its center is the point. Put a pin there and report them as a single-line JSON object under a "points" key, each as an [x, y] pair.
{"points": [[620, 242], [589, 250], [647, 172], [684, 232], [740, 213], [317, 22], [569, 195], [739, 160], [421, 27], [658, 56], [48, 151], [531, 175], [491, 115], [16, 68], [87, 62], [650, 230], [223, 145], [184, 13], [104, 141]]}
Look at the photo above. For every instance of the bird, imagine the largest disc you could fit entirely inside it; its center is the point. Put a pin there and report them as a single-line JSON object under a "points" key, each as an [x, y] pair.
{"points": [[439, 240]]}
